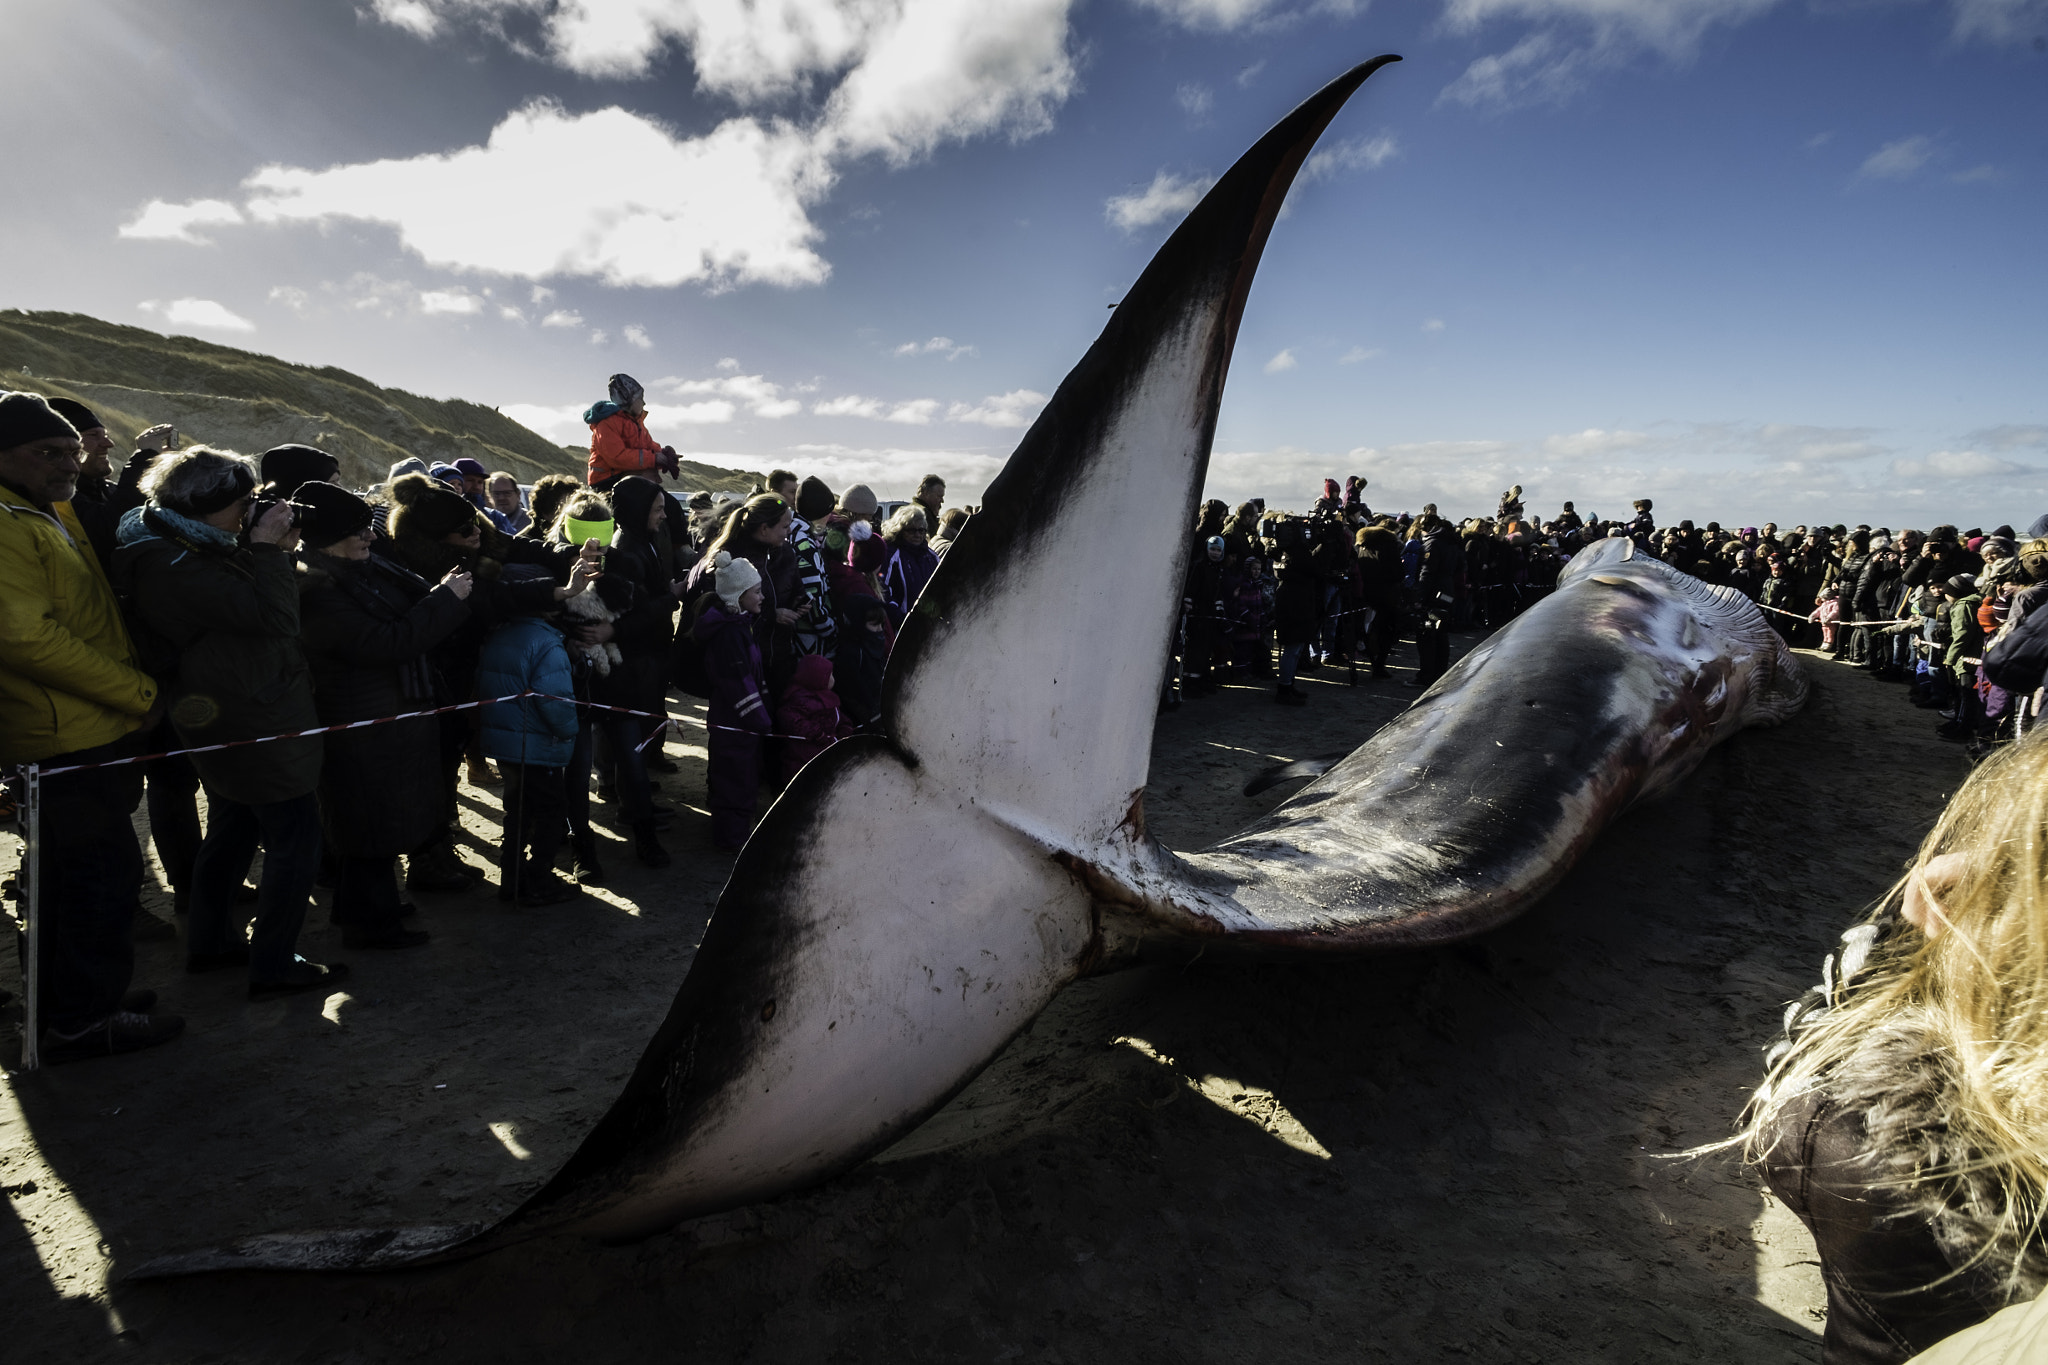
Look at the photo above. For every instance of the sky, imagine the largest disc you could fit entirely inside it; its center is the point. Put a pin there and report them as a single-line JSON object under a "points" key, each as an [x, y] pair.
{"points": [[1755, 259]]}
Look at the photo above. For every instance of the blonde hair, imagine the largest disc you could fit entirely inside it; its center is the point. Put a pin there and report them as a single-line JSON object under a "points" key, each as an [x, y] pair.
{"points": [[1978, 987], [908, 517]]}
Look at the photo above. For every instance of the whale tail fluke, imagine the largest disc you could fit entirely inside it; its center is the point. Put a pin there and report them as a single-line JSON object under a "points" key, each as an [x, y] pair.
{"points": [[343, 1249]]}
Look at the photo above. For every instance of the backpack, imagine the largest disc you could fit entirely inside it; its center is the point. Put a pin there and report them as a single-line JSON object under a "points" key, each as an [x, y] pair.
{"points": [[686, 656]]}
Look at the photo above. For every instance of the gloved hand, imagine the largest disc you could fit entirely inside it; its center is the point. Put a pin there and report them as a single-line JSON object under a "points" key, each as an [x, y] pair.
{"points": [[670, 463]]}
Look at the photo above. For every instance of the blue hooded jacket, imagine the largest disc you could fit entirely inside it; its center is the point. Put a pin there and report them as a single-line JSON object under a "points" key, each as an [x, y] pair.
{"points": [[527, 654]]}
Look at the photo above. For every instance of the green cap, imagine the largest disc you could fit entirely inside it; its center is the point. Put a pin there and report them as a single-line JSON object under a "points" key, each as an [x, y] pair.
{"points": [[580, 531]]}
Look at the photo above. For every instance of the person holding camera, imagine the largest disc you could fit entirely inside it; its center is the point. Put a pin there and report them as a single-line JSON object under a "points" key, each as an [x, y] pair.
{"points": [[222, 602]]}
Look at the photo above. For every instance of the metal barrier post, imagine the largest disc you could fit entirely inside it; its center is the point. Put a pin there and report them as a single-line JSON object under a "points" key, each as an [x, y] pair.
{"points": [[32, 918]]}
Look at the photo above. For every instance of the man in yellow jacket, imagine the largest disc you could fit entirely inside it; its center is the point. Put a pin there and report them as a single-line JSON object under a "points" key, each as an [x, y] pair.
{"points": [[70, 695]]}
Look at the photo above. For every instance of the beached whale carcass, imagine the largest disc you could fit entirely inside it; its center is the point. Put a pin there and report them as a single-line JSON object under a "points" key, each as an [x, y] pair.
{"points": [[826, 1014]]}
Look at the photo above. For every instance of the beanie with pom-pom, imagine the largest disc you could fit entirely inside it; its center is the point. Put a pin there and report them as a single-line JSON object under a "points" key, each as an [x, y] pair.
{"points": [[733, 578], [428, 508]]}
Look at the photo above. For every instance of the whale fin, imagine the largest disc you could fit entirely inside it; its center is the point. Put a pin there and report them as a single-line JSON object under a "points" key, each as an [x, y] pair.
{"points": [[914, 898], [1299, 770]]}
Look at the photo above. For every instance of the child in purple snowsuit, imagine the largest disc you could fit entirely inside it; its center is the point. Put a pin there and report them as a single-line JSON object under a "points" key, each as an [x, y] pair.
{"points": [[739, 713]]}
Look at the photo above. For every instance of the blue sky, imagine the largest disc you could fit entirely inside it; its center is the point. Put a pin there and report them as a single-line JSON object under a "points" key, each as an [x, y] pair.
{"points": [[1755, 259]]}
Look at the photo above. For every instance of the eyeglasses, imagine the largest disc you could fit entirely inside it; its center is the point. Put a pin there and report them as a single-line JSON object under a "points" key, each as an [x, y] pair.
{"points": [[53, 451]]}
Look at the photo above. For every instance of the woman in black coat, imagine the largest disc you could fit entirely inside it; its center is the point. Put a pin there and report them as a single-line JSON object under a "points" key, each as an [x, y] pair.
{"points": [[640, 555], [368, 626]]}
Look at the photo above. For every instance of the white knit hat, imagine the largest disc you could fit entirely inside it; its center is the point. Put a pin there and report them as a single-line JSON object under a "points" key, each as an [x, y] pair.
{"points": [[733, 578]]}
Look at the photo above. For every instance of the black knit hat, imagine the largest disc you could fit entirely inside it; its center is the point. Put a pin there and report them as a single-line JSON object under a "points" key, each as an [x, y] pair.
{"points": [[328, 512], [814, 501], [25, 417], [76, 413], [289, 466], [428, 508]]}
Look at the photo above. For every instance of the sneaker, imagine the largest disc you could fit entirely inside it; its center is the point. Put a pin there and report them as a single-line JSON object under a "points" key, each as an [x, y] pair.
{"points": [[480, 775], [301, 976], [117, 1033], [357, 937], [584, 865]]}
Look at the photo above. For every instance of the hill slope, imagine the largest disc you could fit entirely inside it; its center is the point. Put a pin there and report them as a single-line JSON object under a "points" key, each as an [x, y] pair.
{"points": [[244, 401]]}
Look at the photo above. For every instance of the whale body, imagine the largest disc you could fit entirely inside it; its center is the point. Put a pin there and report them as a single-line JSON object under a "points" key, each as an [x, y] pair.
{"points": [[824, 1016]]}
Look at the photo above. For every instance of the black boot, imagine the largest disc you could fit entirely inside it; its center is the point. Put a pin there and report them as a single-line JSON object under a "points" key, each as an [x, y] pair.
{"points": [[587, 870], [647, 848]]}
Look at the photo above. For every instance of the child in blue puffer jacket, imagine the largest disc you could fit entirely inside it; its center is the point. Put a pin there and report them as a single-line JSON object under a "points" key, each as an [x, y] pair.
{"points": [[532, 739]]}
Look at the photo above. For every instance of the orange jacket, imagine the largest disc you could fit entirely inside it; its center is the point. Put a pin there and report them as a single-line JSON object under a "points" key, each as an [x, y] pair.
{"points": [[620, 445]]}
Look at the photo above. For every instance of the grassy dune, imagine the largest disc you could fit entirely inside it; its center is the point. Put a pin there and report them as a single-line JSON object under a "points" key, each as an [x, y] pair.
{"points": [[134, 379]]}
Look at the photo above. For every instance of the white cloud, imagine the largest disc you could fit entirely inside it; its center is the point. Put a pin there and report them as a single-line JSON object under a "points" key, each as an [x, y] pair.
{"points": [[1016, 408], [541, 294], [728, 208], [1168, 196], [949, 70], [459, 301], [1898, 160], [2011, 437], [755, 392], [292, 297], [1250, 73], [415, 17], [1819, 140], [2001, 21], [708, 413], [944, 346], [563, 317], [725, 208], [1671, 27], [159, 221], [1957, 464], [1593, 442], [1282, 362], [1213, 15], [1353, 154], [1975, 175], [1358, 353], [1195, 99], [198, 313], [1540, 69], [636, 335], [511, 314], [1433, 325], [894, 472], [917, 412], [599, 336]]}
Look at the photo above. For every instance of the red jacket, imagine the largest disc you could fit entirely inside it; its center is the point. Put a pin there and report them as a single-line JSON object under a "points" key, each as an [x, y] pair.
{"points": [[620, 445]]}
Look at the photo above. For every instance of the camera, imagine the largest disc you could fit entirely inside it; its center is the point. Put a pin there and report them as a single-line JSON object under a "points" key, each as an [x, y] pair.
{"points": [[261, 505]]}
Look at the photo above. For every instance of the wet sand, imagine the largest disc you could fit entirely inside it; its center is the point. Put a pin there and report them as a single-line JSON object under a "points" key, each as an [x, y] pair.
{"points": [[1454, 1153]]}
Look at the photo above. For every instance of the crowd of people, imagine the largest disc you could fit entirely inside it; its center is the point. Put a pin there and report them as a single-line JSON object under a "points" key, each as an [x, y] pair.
{"points": [[328, 663], [1941, 610], [201, 612]]}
